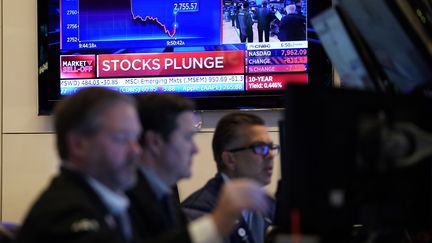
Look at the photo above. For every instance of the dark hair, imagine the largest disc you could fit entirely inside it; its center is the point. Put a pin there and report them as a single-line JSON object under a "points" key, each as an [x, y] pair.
{"points": [[227, 132], [246, 5], [80, 113], [158, 112]]}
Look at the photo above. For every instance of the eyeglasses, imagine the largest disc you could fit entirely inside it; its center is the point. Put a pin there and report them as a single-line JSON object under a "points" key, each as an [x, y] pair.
{"points": [[260, 148]]}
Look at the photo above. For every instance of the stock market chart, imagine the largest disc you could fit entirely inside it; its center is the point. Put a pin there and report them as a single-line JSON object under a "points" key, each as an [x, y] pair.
{"points": [[91, 24]]}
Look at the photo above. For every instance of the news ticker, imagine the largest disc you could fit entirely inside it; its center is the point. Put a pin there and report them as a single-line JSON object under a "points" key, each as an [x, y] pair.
{"points": [[183, 63], [186, 84]]}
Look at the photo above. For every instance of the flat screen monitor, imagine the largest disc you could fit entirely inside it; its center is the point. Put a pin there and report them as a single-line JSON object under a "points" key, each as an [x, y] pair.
{"points": [[209, 50], [349, 54], [356, 167], [399, 33]]}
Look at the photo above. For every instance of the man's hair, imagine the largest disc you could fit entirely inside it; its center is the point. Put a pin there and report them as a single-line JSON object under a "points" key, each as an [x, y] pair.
{"points": [[158, 112], [80, 113], [227, 132], [246, 5], [291, 8]]}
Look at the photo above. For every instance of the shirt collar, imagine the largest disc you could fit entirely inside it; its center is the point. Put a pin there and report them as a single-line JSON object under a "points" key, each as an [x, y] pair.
{"points": [[225, 177], [115, 202], [159, 187]]}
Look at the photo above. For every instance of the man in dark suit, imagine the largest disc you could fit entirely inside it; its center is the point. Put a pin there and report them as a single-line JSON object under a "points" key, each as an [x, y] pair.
{"points": [[242, 148], [167, 149], [292, 26], [96, 132], [264, 16], [246, 23]]}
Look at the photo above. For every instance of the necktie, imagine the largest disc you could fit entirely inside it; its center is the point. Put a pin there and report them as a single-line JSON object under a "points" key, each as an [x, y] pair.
{"points": [[123, 222], [169, 211], [256, 226]]}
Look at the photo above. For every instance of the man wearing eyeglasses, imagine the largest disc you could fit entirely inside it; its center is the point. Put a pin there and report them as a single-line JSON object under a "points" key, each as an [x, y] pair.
{"points": [[242, 148]]}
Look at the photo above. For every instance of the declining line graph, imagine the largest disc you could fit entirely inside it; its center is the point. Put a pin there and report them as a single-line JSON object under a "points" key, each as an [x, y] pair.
{"points": [[156, 20], [178, 6], [140, 23]]}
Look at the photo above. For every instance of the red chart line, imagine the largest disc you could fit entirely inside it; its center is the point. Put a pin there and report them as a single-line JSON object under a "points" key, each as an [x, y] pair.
{"points": [[156, 20]]}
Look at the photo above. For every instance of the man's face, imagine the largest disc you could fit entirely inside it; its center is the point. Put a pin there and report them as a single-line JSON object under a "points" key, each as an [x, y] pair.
{"points": [[179, 149], [113, 152], [246, 163]]}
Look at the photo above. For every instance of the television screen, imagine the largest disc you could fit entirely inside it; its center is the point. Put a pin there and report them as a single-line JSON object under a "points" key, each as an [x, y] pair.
{"points": [[225, 54]]}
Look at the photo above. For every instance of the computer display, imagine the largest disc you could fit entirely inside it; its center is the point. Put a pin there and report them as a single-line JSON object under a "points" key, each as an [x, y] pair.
{"points": [[349, 54], [399, 33], [356, 167]]}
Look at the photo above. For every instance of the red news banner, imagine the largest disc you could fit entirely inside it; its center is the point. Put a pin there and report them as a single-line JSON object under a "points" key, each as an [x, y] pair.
{"points": [[77, 66], [273, 81], [172, 64], [167, 64]]}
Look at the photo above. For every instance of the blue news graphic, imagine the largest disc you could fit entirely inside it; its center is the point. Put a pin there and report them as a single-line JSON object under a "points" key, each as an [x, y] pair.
{"points": [[91, 24], [178, 88]]}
